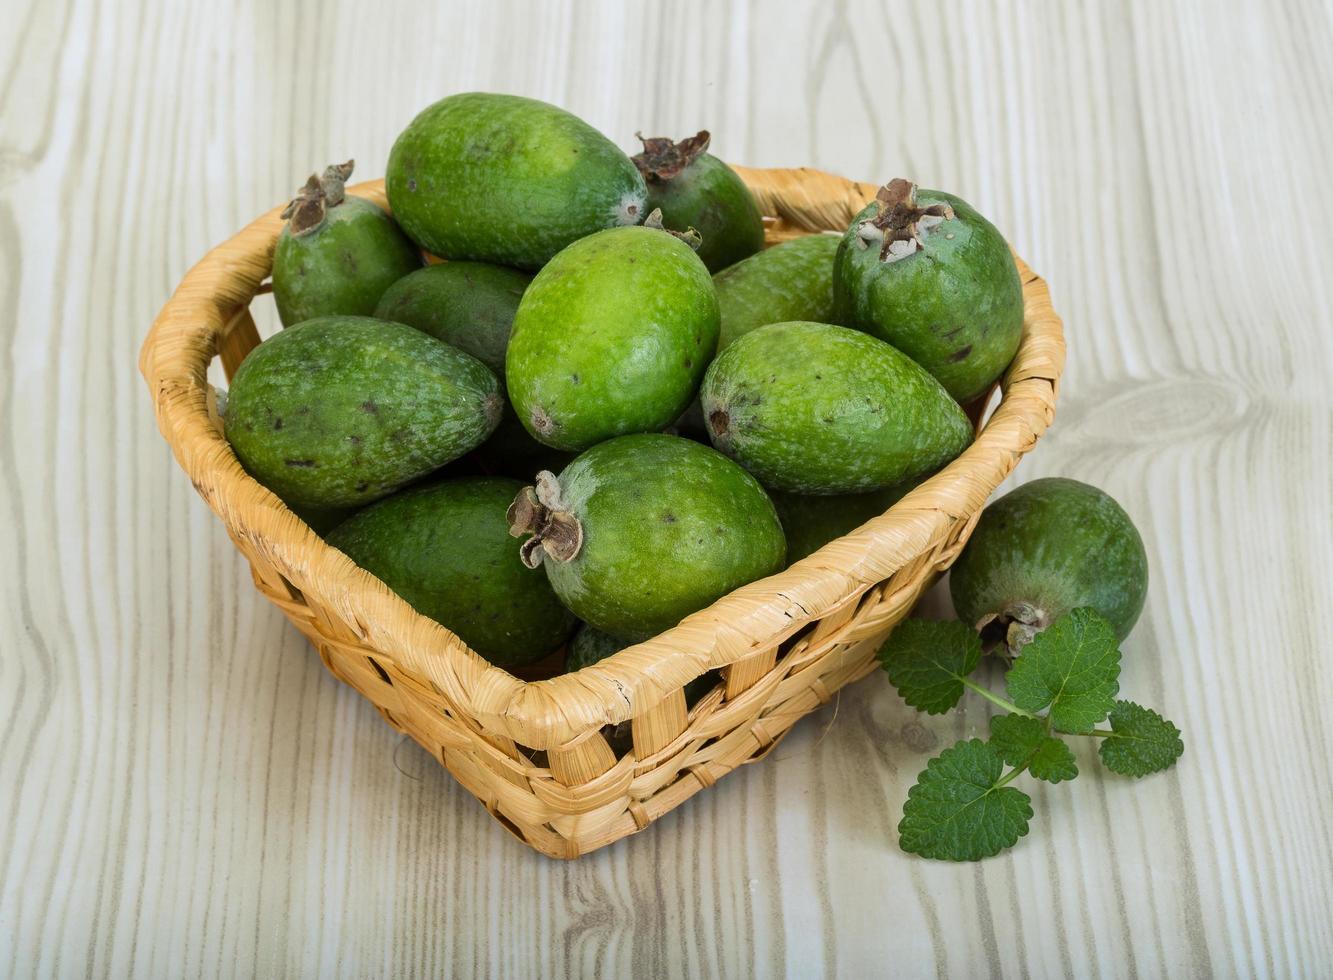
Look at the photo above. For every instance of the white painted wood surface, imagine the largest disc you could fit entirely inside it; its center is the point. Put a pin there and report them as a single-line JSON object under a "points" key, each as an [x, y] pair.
{"points": [[184, 791]]}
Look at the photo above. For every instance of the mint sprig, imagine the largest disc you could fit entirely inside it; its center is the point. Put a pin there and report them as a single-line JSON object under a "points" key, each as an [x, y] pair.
{"points": [[962, 807]]}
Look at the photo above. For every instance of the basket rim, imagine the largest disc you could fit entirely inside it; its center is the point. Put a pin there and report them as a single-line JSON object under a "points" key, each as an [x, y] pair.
{"points": [[558, 712]]}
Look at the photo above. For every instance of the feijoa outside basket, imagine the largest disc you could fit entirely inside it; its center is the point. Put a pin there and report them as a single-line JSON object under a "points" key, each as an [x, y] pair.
{"points": [[539, 754]]}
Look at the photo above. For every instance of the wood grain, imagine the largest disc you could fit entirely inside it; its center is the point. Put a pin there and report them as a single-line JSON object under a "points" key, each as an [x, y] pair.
{"points": [[185, 791]]}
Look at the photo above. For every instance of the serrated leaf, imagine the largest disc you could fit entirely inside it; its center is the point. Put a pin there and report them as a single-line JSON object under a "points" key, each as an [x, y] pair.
{"points": [[1016, 737], [1021, 740], [1053, 761], [926, 661], [1073, 668], [955, 812], [1143, 741]]}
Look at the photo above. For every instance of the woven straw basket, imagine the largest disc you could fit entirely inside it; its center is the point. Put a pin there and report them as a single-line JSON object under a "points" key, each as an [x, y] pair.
{"points": [[536, 753]]}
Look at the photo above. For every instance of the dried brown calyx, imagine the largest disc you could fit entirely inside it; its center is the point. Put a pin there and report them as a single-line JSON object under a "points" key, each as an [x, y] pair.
{"points": [[1008, 631], [663, 159], [540, 512], [690, 236], [306, 210], [900, 227]]}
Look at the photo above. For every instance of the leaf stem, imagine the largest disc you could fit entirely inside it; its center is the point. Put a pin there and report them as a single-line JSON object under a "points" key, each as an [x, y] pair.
{"points": [[1099, 733], [1013, 774], [1008, 706]]}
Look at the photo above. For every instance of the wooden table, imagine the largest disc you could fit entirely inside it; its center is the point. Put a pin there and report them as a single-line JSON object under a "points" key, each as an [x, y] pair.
{"points": [[184, 790]]}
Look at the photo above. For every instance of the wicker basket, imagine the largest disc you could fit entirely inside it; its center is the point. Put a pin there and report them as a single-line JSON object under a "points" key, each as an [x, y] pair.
{"points": [[536, 753]]}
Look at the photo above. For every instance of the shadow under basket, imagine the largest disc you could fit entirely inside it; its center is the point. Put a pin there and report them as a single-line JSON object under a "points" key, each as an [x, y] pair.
{"points": [[537, 753]]}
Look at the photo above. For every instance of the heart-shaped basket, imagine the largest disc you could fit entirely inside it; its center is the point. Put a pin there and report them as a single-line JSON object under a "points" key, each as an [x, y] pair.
{"points": [[549, 758]]}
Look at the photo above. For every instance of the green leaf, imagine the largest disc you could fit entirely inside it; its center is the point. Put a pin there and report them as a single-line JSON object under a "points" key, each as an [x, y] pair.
{"points": [[1022, 741], [927, 660], [1142, 741], [956, 812], [1016, 737], [1053, 761], [1071, 667]]}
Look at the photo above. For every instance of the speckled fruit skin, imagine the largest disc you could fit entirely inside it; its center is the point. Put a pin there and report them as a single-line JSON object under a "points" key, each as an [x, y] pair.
{"points": [[791, 281], [590, 645], [446, 550], [504, 179], [709, 197], [468, 305], [1056, 544], [612, 337], [340, 411], [668, 527], [812, 522], [956, 307], [343, 267], [812, 408]]}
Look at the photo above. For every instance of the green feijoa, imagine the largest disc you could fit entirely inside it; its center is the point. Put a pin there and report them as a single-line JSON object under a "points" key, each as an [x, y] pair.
{"points": [[924, 271], [812, 522], [446, 549], [695, 189], [612, 337], [468, 305], [504, 179], [642, 530], [791, 281], [1045, 548], [337, 254], [816, 409], [340, 411], [591, 645]]}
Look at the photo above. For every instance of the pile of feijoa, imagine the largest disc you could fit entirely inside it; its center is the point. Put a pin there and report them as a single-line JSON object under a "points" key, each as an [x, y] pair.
{"points": [[562, 384]]}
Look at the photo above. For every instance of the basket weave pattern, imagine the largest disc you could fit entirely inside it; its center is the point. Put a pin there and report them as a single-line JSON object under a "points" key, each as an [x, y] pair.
{"points": [[537, 753]]}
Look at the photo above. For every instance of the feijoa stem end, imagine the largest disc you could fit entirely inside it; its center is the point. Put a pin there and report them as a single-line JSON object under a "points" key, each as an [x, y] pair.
{"points": [[540, 512], [1008, 631], [901, 226], [662, 158], [305, 212], [690, 236]]}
